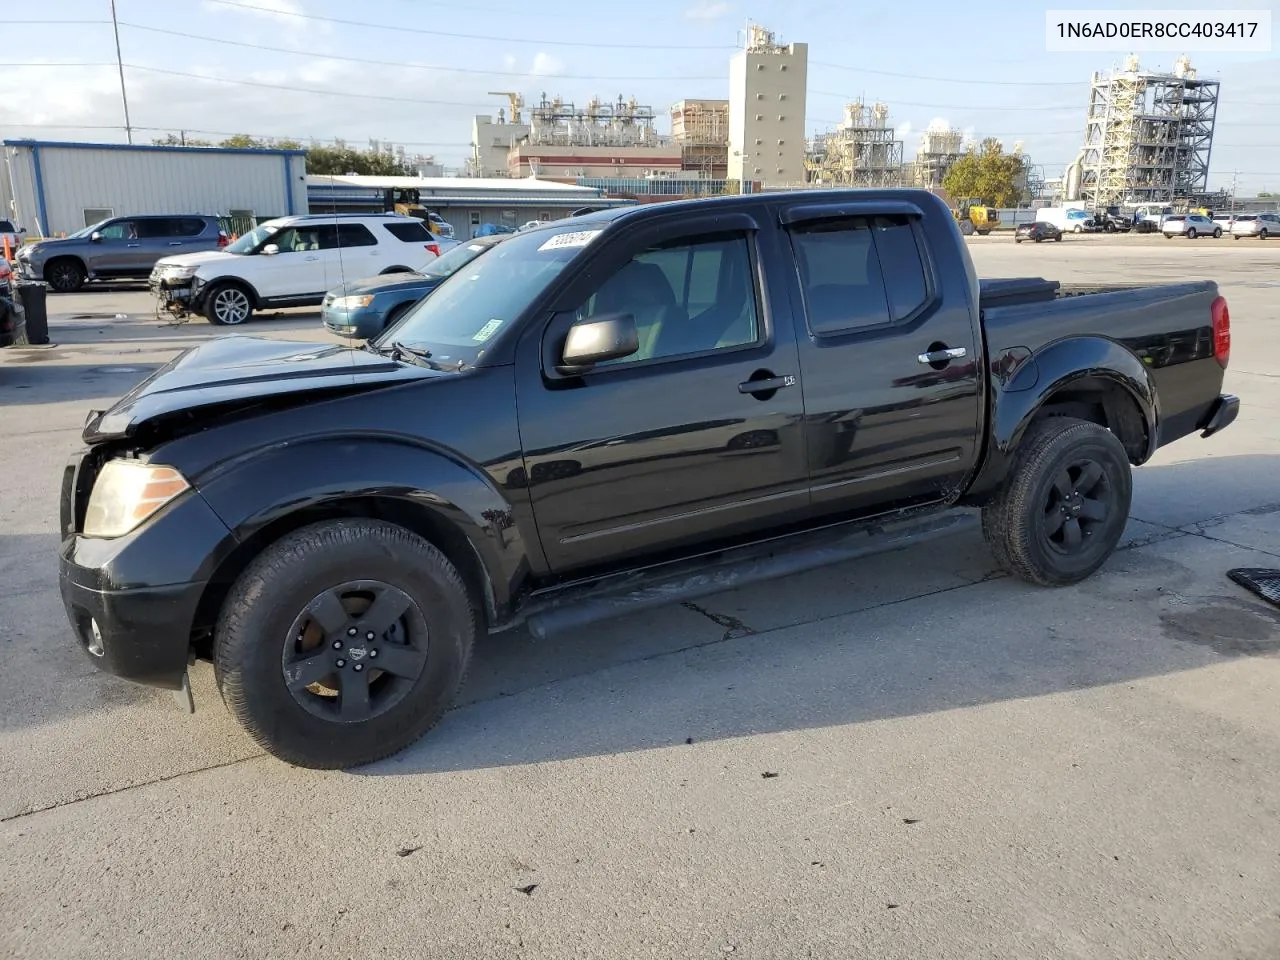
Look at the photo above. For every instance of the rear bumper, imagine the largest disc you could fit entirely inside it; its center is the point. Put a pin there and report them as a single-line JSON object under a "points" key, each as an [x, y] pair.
{"points": [[1221, 415]]}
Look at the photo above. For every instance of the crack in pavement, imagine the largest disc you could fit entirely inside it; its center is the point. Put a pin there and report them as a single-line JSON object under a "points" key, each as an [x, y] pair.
{"points": [[129, 786], [733, 626]]}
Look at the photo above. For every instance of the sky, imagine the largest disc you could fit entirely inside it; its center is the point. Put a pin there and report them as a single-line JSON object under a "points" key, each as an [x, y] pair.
{"points": [[414, 72]]}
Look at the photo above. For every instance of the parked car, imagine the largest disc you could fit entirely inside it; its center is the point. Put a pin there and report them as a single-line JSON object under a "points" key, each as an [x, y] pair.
{"points": [[118, 248], [638, 407], [14, 235], [1038, 231], [1112, 220], [1190, 225], [1150, 217], [1069, 219], [1260, 225], [364, 308], [291, 262]]}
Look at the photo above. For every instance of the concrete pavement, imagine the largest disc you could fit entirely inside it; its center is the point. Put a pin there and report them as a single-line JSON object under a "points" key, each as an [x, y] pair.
{"points": [[966, 766]]}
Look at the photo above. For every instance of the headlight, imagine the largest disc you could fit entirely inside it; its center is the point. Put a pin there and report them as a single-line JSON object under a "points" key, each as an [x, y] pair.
{"points": [[179, 273], [126, 493], [350, 303]]}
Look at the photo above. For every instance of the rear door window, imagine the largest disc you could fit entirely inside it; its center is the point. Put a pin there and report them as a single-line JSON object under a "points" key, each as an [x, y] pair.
{"points": [[355, 235], [860, 272]]}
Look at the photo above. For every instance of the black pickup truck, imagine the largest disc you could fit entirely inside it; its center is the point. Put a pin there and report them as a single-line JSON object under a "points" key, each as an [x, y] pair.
{"points": [[627, 408]]}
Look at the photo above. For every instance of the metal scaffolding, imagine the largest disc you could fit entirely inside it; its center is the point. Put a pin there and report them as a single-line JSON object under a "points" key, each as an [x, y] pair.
{"points": [[940, 148], [624, 123], [1148, 136], [862, 152]]}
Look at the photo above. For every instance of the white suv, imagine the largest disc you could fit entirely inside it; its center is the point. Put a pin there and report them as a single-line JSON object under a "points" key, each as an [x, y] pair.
{"points": [[291, 262]]}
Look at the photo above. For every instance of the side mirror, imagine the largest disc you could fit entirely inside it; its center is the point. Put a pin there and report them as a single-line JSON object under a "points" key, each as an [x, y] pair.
{"points": [[96, 237], [270, 250], [607, 337]]}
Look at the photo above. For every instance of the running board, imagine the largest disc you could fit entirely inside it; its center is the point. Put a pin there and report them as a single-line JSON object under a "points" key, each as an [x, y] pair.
{"points": [[572, 607]]}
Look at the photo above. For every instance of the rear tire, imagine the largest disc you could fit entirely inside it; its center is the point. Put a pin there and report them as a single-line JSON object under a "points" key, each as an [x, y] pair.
{"points": [[1064, 504], [66, 275], [1217, 233], [1262, 234], [1191, 233], [293, 655]]}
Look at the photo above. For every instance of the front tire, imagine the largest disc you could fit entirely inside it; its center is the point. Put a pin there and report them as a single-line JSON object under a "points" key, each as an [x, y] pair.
{"points": [[1217, 233], [1262, 234], [66, 275], [1063, 507], [1191, 233], [343, 643], [227, 305]]}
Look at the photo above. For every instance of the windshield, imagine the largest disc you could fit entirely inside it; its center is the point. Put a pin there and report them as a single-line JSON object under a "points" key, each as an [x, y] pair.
{"points": [[446, 265], [474, 305], [252, 240]]}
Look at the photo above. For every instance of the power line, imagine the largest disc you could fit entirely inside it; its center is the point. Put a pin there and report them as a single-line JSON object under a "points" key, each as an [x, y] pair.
{"points": [[323, 93], [914, 76], [393, 63], [400, 28], [955, 106]]}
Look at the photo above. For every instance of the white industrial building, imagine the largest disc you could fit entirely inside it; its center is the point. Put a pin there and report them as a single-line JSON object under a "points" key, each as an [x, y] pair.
{"points": [[54, 188], [767, 84]]}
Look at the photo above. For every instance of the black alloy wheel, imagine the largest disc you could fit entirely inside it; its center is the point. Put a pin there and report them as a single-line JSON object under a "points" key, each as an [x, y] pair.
{"points": [[1078, 503]]}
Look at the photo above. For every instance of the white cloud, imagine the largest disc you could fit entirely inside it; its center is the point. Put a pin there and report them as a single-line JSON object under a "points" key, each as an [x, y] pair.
{"points": [[708, 10], [902, 131], [508, 62], [545, 65]]}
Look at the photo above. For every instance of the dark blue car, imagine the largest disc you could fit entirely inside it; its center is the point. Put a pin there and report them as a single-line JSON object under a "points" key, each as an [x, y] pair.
{"points": [[364, 308]]}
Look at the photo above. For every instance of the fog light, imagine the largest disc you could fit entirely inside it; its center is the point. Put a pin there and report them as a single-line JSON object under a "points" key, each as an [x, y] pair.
{"points": [[95, 640]]}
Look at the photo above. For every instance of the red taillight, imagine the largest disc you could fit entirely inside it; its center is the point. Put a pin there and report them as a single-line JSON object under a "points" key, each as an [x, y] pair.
{"points": [[1221, 330], [223, 240], [434, 248]]}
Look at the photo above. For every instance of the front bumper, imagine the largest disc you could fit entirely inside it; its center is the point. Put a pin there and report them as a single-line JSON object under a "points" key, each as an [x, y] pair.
{"points": [[132, 601], [1221, 415]]}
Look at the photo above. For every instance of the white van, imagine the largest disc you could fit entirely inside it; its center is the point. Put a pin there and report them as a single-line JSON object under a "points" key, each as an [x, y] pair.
{"points": [[1068, 219]]}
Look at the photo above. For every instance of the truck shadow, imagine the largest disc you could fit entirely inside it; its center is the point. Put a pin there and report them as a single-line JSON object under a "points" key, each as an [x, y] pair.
{"points": [[842, 645], [29, 376], [926, 629]]}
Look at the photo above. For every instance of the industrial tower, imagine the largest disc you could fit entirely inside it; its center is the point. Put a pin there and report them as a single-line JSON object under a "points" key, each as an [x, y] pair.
{"points": [[767, 85], [862, 152], [1148, 137]]}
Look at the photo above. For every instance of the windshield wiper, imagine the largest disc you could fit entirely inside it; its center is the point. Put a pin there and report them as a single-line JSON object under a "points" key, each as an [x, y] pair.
{"points": [[400, 351]]}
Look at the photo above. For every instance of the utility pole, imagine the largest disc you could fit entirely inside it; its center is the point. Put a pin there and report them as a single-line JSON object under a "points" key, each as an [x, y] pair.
{"points": [[124, 97]]}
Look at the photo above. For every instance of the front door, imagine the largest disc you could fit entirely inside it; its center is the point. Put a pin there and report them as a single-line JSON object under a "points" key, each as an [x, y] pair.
{"points": [[116, 250], [306, 265], [891, 376], [697, 436]]}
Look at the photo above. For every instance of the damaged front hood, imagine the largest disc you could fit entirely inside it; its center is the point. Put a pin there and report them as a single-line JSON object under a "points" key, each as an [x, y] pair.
{"points": [[236, 369]]}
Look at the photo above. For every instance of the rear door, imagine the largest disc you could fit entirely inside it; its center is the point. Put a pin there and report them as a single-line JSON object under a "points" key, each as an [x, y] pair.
{"points": [[158, 237], [891, 384], [697, 437], [360, 255]]}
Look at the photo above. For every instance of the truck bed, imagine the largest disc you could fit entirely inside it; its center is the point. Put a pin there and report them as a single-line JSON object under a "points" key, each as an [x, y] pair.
{"points": [[1168, 327]]}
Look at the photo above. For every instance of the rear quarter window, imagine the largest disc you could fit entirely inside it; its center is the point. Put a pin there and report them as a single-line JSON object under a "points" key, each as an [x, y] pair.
{"points": [[411, 232]]}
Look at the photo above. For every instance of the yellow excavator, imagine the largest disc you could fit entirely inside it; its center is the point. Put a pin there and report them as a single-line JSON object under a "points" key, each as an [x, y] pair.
{"points": [[974, 216]]}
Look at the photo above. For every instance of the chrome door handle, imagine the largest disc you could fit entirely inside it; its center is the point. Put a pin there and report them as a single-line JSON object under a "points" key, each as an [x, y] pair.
{"points": [[942, 356], [175, 243], [767, 385], [133, 244]]}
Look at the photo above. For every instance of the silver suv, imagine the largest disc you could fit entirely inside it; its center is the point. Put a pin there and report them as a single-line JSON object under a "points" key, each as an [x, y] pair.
{"points": [[1260, 225], [118, 249]]}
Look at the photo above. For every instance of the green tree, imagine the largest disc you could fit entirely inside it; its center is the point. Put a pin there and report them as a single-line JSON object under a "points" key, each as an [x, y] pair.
{"points": [[339, 159], [987, 172], [180, 140]]}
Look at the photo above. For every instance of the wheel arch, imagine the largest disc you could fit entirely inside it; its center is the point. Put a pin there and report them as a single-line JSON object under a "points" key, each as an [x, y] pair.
{"points": [[451, 505], [243, 284], [58, 257], [1090, 378]]}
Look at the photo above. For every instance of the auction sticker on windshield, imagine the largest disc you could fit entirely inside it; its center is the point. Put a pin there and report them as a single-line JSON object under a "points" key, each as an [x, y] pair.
{"points": [[579, 238], [487, 331]]}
